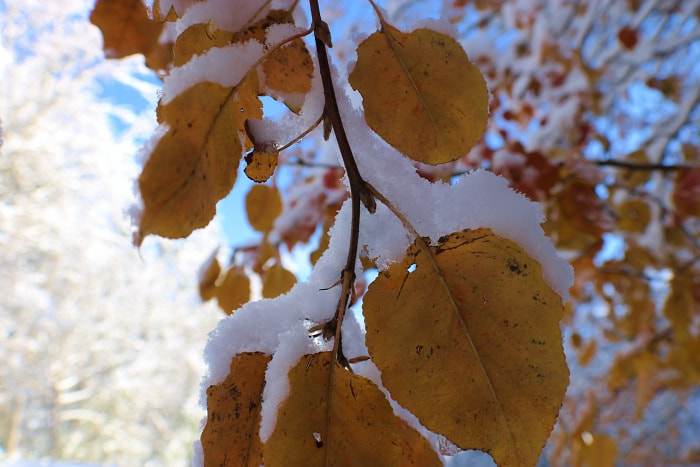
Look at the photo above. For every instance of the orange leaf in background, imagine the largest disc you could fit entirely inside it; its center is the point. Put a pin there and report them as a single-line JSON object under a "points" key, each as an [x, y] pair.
{"points": [[634, 215], [628, 37], [207, 278], [333, 417], [597, 450], [263, 204], [278, 280], [467, 338], [126, 27], [421, 93], [230, 437], [686, 196], [234, 291]]}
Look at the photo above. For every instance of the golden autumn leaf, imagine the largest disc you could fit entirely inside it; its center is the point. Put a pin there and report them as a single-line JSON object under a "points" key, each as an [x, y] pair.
{"points": [[467, 338], [421, 93], [289, 69], [197, 39], [597, 450], [230, 437], [234, 291], [636, 177], [263, 204], [126, 27], [194, 164], [682, 311], [207, 278], [261, 164], [278, 280], [333, 417], [634, 215]]}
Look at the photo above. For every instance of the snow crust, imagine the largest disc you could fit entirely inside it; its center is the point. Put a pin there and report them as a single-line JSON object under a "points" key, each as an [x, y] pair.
{"points": [[223, 14], [226, 66]]}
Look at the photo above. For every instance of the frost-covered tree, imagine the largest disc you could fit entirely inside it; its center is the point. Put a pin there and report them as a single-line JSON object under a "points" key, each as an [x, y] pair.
{"points": [[100, 346]]}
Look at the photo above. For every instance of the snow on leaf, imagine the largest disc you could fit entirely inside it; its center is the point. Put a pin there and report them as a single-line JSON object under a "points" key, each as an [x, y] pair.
{"points": [[126, 27], [194, 164], [234, 291], [289, 69], [230, 437], [196, 40], [263, 204], [334, 417], [421, 93], [466, 334]]}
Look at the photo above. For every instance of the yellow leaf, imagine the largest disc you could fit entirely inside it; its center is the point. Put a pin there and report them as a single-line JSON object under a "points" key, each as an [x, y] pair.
{"points": [[636, 177], [634, 216], [261, 165], [278, 280], [207, 278], [234, 291], [586, 354], [467, 338], [230, 436], [197, 39], [263, 204], [336, 418], [421, 93], [597, 450], [289, 69], [194, 164], [126, 27]]}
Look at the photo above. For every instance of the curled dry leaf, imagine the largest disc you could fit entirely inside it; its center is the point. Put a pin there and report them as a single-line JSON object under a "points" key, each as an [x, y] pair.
{"points": [[466, 335], [230, 436], [261, 163], [421, 93], [333, 417]]}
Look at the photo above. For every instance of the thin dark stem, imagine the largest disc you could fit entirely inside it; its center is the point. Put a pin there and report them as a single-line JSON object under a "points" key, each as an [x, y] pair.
{"points": [[310, 164], [358, 189], [637, 166], [301, 136]]}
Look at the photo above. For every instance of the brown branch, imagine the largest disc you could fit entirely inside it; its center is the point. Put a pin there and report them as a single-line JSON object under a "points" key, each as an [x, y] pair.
{"points": [[358, 189], [638, 166], [310, 164], [302, 135]]}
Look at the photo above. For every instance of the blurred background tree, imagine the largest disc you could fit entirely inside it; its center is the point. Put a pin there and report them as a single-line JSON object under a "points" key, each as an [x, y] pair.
{"points": [[101, 345], [594, 114]]}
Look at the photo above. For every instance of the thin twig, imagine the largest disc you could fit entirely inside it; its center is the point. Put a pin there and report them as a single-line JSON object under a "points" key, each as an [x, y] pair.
{"points": [[301, 136], [358, 190], [639, 166]]}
